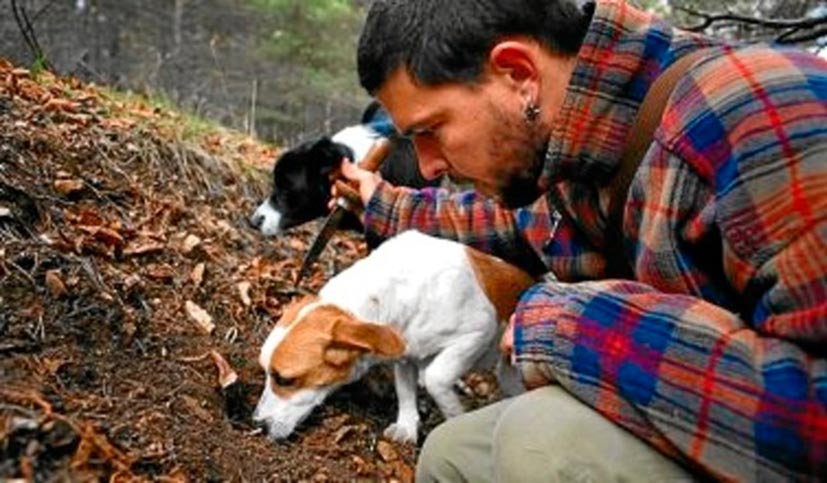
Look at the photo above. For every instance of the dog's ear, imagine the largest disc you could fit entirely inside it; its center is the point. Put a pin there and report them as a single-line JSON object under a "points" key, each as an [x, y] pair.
{"points": [[378, 339], [322, 143], [329, 155], [341, 356]]}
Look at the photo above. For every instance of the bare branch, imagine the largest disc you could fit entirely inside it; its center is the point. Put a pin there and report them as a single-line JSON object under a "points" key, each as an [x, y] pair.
{"points": [[792, 31], [789, 38]]}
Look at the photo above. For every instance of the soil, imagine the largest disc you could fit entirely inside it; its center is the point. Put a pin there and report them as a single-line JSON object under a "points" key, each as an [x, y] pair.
{"points": [[118, 222]]}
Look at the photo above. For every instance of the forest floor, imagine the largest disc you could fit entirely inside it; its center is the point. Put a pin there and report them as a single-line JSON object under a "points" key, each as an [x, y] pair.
{"points": [[122, 230]]}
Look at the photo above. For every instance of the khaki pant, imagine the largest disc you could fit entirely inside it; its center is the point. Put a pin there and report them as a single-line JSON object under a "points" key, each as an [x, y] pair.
{"points": [[543, 435]]}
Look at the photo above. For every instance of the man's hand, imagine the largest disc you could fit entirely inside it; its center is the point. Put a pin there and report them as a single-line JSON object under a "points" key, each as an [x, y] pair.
{"points": [[366, 181], [507, 340], [533, 375]]}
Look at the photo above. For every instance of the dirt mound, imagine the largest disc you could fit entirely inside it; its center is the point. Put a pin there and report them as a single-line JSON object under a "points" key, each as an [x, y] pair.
{"points": [[120, 223]]}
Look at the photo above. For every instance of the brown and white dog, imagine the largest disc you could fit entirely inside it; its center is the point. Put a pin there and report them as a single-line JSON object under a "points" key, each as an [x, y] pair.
{"points": [[431, 306]]}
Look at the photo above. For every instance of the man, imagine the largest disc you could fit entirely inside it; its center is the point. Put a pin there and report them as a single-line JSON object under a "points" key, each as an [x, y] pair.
{"points": [[708, 359]]}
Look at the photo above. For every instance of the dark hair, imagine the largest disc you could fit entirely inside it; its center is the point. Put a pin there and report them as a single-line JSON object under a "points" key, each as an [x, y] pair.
{"points": [[440, 41]]}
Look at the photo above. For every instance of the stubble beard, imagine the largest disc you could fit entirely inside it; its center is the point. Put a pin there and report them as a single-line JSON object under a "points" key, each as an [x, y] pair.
{"points": [[524, 145]]}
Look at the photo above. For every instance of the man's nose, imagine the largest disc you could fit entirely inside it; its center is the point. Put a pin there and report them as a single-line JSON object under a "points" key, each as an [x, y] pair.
{"points": [[432, 167]]}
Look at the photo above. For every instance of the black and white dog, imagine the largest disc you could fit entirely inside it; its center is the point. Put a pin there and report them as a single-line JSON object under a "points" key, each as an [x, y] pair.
{"points": [[301, 182]]}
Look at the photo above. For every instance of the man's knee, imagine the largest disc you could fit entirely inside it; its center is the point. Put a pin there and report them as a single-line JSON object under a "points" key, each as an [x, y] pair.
{"points": [[438, 460], [460, 448], [548, 435], [533, 441]]}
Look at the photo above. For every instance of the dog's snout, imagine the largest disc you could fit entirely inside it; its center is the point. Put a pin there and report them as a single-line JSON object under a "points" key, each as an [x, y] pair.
{"points": [[256, 220]]}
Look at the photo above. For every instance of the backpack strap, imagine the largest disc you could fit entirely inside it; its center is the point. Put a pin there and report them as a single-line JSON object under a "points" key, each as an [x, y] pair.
{"points": [[640, 138]]}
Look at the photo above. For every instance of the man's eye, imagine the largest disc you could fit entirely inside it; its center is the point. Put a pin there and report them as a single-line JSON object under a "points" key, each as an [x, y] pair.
{"points": [[283, 381], [422, 133]]}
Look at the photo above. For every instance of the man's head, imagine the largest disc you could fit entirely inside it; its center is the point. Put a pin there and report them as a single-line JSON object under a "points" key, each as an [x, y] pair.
{"points": [[475, 83]]}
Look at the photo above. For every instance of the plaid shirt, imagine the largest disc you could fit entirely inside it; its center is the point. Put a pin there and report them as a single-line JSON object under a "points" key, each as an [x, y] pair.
{"points": [[715, 353]]}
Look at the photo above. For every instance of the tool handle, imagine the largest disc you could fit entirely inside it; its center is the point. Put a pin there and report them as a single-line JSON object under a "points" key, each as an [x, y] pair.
{"points": [[348, 192], [376, 155], [373, 160]]}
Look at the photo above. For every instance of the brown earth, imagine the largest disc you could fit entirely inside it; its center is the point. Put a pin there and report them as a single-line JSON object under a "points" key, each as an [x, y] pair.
{"points": [[113, 216]]}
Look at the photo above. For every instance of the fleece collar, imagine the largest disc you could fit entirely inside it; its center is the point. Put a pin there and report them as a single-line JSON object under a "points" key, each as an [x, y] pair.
{"points": [[622, 53]]}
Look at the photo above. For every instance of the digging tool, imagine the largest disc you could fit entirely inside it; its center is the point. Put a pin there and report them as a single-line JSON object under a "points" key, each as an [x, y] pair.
{"points": [[348, 200]]}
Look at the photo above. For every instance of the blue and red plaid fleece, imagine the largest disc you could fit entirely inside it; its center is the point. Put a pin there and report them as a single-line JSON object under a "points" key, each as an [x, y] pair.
{"points": [[715, 353]]}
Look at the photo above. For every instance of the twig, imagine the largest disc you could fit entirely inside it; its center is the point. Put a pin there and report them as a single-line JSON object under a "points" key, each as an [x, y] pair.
{"points": [[27, 30], [43, 10], [222, 74], [251, 123], [789, 38], [710, 18], [29, 396], [20, 409], [791, 28], [24, 273]]}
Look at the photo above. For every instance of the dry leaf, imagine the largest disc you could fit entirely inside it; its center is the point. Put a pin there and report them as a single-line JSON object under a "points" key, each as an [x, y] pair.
{"points": [[195, 408], [197, 274], [131, 281], [160, 272], [343, 432], [68, 187], [361, 466], [54, 283], [244, 292], [404, 472], [226, 374], [87, 217], [386, 451], [57, 104], [21, 73], [200, 316], [105, 235], [189, 244], [144, 248]]}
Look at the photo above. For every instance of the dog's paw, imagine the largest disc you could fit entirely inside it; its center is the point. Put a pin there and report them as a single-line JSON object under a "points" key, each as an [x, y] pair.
{"points": [[401, 433]]}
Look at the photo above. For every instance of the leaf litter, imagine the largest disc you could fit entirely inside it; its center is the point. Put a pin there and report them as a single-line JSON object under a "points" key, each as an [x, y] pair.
{"points": [[134, 298]]}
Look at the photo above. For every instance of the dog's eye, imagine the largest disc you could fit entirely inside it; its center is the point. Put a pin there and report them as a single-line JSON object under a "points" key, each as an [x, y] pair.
{"points": [[283, 381]]}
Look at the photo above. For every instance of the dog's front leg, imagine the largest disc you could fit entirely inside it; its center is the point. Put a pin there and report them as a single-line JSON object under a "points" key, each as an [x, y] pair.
{"points": [[405, 429], [448, 366]]}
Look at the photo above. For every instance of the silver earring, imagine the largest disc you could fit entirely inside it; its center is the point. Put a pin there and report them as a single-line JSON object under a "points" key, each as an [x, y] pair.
{"points": [[531, 112]]}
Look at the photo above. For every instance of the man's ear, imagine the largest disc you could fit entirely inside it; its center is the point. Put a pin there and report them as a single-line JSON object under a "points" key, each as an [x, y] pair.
{"points": [[515, 59], [378, 339]]}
